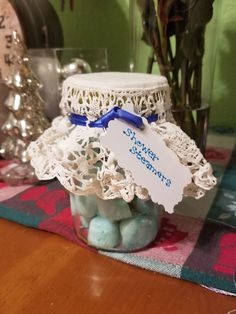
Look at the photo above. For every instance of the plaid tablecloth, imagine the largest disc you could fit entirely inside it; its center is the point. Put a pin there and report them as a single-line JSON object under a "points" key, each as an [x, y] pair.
{"points": [[197, 243]]}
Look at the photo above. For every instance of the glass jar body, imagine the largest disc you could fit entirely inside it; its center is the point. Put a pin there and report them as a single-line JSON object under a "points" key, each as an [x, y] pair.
{"points": [[115, 225]]}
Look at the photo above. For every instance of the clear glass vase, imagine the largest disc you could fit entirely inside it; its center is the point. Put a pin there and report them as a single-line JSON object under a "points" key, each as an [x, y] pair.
{"points": [[115, 225], [160, 45], [142, 58]]}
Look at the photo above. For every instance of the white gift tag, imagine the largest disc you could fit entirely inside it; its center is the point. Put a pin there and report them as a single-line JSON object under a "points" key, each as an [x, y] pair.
{"points": [[153, 165]]}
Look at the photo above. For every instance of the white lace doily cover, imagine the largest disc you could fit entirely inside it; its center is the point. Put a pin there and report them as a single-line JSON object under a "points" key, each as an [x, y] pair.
{"points": [[94, 94], [74, 154]]}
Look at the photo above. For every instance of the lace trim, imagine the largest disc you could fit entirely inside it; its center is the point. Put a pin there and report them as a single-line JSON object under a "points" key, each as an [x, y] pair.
{"points": [[93, 104], [190, 156], [75, 156]]}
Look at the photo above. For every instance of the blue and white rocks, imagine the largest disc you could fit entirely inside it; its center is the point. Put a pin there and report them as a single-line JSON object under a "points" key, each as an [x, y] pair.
{"points": [[115, 224], [103, 233], [138, 231], [145, 207], [113, 210]]}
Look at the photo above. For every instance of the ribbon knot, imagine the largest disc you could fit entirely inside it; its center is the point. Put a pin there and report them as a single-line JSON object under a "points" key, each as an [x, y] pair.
{"points": [[114, 113]]}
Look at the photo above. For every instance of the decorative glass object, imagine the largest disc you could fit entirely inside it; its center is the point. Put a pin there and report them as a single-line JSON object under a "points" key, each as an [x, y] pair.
{"points": [[109, 209], [54, 65], [25, 119]]}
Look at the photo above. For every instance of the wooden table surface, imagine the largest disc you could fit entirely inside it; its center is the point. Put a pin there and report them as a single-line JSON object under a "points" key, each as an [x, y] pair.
{"points": [[44, 273]]}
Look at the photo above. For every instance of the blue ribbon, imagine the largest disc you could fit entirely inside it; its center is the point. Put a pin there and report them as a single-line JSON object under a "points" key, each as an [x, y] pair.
{"points": [[114, 113]]}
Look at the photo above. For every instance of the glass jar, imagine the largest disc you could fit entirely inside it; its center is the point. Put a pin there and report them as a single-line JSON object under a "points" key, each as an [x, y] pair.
{"points": [[115, 225], [110, 211]]}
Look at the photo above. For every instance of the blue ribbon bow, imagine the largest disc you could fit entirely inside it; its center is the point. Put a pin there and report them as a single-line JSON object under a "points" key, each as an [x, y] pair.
{"points": [[114, 113]]}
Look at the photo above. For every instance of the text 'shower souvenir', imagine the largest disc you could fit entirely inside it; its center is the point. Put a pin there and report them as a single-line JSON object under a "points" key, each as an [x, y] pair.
{"points": [[119, 153]]}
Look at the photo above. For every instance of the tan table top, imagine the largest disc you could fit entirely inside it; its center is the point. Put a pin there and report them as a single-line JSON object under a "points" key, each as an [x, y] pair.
{"points": [[44, 273]]}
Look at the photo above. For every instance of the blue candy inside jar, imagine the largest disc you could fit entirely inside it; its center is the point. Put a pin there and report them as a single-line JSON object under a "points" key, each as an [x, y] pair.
{"points": [[114, 224]]}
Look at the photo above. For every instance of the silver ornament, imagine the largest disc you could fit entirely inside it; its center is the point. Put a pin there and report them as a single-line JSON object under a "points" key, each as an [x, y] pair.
{"points": [[25, 120], [76, 66]]}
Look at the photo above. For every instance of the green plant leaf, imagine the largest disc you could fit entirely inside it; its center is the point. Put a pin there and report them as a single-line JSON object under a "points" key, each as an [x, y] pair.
{"points": [[200, 13]]}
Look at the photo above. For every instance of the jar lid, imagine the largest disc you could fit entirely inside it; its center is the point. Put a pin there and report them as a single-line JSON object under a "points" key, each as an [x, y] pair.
{"points": [[104, 81], [93, 94]]}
